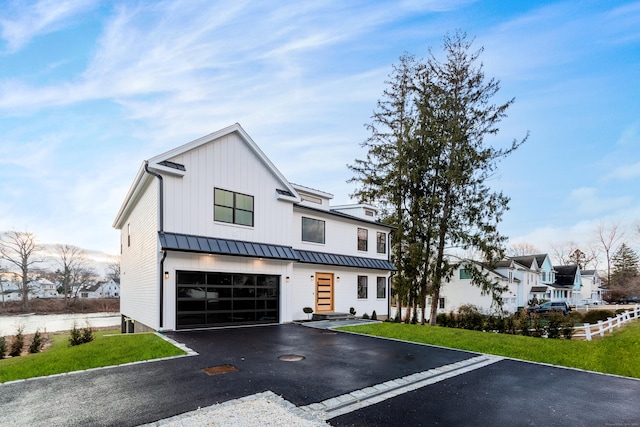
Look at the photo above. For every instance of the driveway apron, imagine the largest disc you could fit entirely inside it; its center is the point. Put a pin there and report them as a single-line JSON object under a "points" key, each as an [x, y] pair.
{"points": [[499, 392]]}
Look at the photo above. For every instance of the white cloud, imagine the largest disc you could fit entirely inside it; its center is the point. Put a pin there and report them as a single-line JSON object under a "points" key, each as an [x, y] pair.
{"points": [[586, 201], [26, 20], [626, 172]]}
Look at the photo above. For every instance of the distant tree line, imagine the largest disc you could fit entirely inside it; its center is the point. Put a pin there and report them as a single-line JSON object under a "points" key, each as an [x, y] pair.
{"points": [[22, 257]]}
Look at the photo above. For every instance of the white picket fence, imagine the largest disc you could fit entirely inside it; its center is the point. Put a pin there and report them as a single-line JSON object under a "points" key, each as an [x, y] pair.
{"points": [[589, 331]]}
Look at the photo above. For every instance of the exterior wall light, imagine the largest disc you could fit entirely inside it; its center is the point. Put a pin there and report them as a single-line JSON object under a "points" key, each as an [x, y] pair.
{"points": [[338, 279], [288, 279], [311, 278], [166, 275]]}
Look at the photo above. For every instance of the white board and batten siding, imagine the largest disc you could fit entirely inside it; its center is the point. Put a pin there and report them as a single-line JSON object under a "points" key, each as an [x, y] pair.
{"points": [[140, 254], [341, 235], [226, 163], [345, 290]]}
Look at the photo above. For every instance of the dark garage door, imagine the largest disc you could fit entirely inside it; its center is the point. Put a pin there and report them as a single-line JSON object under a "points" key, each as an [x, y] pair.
{"points": [[223, 299]]}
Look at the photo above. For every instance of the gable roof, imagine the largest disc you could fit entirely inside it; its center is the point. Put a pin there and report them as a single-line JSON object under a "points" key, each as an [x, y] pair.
{"points": [[565, 274], [162, 164]]}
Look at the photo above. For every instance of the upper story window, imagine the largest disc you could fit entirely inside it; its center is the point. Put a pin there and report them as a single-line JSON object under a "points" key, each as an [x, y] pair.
{"points": [[312, 230], [363, 237], [232, 207], [381, 243], [465, 274]]}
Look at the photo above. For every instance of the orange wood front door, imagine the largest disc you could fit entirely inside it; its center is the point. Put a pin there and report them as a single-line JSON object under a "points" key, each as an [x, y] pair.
{"points": [[324, 292]]}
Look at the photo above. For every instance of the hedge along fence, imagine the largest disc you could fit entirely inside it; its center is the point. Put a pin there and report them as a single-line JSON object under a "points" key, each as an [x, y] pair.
{"points": [[555, 325], [589, 331]]}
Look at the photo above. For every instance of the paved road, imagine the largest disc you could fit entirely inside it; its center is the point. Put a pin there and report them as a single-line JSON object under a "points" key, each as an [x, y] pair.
{"points": [[494, 392]]}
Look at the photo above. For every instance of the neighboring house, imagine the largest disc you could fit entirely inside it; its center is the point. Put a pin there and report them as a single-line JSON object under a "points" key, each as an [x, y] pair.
{"points": [[212, 234], [460, 291], [540, 278], [567, 285], [591, 286], [526, 278], [43, 288], [106, 289], [10, 291]]}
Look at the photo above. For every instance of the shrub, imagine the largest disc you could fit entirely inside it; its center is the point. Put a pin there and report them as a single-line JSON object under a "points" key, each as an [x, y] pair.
{"points": [[537, 326], [593, 316], [36, 343], [17, 343], [567, 326], [554, 323], [80, 336], [469, 317], [87, 334], [3, 347], [522, 323], [365, 316], [446, 320], [374, 315], [510, 325]]}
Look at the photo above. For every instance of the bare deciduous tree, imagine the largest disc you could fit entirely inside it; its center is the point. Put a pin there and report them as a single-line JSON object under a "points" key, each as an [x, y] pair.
{"points": [[569, 253], [75, 271], [610, 238], [20, 250], [113, 269], [522, 249]]}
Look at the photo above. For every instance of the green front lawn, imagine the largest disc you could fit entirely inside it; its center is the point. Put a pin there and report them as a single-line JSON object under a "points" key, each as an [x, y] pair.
{"points": [[107, 349], [618, 353]]}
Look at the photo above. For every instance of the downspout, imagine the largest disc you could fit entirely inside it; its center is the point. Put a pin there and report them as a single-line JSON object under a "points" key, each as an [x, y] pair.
{"points": [[390, 276], [161, 230]]}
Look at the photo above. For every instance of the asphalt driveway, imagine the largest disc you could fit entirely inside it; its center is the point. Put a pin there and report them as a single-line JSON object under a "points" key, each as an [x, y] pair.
{"points": [[504, 392]]}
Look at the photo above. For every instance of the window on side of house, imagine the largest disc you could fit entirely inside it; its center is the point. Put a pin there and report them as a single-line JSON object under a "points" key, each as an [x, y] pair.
{"points": [[441, 303], [128, 235], [465, 274], [381, 290], [232, 207], [313, 230], [381, 242], [363, 237], [362, 287]]}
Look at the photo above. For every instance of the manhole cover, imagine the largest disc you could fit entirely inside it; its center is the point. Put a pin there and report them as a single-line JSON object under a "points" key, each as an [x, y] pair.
{"points": [[222, 369], [291, 357]]}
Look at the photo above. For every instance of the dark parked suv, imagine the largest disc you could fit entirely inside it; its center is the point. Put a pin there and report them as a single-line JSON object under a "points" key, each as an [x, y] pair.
{"points": [[550, 307]]}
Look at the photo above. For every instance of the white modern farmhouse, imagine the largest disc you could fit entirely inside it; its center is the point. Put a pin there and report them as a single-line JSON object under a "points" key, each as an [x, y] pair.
{"points": [[212, 234]]}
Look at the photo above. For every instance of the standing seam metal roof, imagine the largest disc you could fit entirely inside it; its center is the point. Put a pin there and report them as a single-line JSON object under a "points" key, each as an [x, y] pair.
{"points": [[211, 245]]}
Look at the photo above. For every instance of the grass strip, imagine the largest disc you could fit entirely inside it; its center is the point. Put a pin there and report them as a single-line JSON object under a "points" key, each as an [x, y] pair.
{"points": [[617, 353], [107, 349]]}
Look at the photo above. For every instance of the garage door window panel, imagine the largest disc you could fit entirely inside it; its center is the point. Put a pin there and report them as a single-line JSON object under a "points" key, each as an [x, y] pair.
{"points": [[218, 299]]}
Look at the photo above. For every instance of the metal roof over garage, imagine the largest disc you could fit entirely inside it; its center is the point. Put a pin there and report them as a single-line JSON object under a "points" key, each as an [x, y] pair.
{"points": [[211, 245]]}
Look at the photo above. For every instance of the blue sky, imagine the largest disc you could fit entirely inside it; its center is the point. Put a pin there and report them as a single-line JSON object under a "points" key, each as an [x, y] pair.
{"points": [[89, 89]]}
